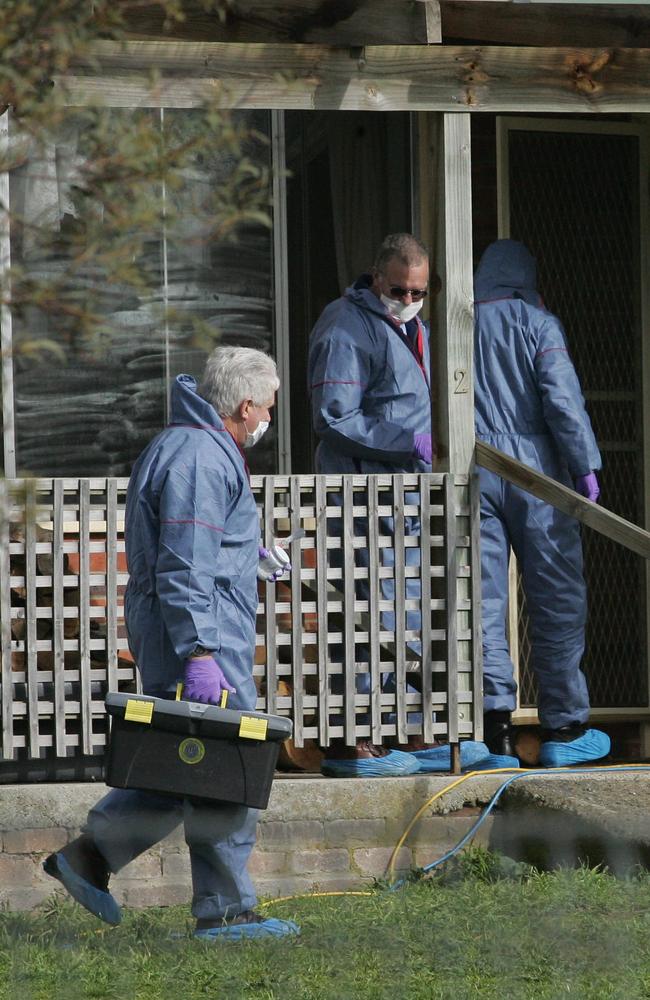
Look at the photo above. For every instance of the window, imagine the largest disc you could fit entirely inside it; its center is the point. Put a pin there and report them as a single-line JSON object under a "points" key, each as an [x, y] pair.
{"points": [[87, 403]]}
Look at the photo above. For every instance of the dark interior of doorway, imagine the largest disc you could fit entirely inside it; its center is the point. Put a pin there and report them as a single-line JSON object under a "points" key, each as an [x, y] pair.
{"points": [[349, 185], [575, 201]]}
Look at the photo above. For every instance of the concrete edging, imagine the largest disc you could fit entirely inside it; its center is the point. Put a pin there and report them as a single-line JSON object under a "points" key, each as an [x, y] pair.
{"points": [[317, 833], [329, 834]]}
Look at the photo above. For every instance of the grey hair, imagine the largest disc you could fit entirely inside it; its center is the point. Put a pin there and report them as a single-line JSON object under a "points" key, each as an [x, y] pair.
{"points": [[406, 248], [234, 374]]}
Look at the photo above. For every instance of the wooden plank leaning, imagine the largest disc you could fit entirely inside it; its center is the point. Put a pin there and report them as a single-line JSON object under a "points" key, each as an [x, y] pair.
{"points": [[270, 621], [451, 572], [321, 607], [426, 487], [374, 618], [604, 521], [297, 659], [30, 637], [349, 600], [5, 625], [58, 617], [85, 683], [400, 614]]}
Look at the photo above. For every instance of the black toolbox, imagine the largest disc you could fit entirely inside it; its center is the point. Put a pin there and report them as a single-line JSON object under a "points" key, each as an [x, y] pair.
{"points": [[192, 750]]}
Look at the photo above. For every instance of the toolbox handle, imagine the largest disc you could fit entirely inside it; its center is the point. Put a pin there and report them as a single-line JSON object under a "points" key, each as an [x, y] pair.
{"points": [[195, 707]]}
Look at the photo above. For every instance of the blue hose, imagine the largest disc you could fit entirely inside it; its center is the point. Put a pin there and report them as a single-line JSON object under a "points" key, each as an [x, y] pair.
{"points": [[617, 768]]}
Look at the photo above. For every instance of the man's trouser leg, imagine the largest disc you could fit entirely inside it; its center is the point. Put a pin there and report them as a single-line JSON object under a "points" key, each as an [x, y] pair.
{"points": [[126, 822], [220, 839], [549, 550], [220, 836], [499, 688]]}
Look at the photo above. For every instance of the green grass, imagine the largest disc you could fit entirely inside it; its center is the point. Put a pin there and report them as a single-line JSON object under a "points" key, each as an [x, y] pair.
{"points": [[470, 933]]}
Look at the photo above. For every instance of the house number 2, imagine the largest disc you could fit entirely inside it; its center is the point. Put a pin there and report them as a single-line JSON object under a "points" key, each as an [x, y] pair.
{"points": [[460, 375]]}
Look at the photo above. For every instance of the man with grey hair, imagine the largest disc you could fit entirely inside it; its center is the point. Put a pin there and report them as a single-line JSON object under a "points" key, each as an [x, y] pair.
{"points": [[192, 544], [369, 380], [369, 373]]}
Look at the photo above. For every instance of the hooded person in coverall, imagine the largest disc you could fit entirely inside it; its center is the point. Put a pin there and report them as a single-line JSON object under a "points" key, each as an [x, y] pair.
{"points": [[529, 405], [193, 549], [369, 383]]}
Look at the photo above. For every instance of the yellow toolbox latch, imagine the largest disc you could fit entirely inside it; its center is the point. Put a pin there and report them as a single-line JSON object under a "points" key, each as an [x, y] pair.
{"points": [[138, 711], [251, 728]]}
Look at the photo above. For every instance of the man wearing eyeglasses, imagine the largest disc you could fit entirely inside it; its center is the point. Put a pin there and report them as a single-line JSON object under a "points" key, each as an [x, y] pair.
{"points": [[369, 381], [369, 368]]}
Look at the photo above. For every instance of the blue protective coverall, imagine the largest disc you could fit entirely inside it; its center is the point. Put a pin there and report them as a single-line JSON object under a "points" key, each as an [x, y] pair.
{"points": [[369, 386], [192, 536], [369, 389], [529, 405]]}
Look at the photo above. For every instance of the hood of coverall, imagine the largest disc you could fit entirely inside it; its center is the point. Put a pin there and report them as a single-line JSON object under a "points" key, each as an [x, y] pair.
{"points": [[187, 407], [507, 270], [196, 464]]}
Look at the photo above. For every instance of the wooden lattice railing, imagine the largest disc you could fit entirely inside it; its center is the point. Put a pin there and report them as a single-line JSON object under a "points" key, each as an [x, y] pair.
{"points": [[62, 580]]}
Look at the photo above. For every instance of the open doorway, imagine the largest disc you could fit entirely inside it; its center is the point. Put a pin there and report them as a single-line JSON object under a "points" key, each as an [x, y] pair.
{"points": [[574, 191], [349, 185]]}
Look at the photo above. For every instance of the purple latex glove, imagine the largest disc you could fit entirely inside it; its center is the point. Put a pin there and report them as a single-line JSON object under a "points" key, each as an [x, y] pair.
{"points": [[273, 563], [588, 486], [204, 680], [422, 447]]}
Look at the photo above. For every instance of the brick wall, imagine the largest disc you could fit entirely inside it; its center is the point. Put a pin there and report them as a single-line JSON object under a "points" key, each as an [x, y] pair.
{"points": [[317, 834]]}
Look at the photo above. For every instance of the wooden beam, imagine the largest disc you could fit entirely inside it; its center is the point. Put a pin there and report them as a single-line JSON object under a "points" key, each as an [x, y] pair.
{"points": [[504, 23], [567, 500], [455, 319], [385, 78], [323, 22]]}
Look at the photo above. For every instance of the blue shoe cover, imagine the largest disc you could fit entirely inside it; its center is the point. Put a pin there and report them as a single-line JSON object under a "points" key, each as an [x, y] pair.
{"points": [[495, 760], [395, 763], [439, 758], [100, 904], [592, 745], [270, 928]]}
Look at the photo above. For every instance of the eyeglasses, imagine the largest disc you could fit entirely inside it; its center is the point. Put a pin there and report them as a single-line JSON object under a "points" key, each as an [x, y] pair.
{"points": [[397, 292]]}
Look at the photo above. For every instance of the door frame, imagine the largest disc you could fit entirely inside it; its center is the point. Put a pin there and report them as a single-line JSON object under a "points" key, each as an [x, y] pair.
{"points": [[641, 129]]}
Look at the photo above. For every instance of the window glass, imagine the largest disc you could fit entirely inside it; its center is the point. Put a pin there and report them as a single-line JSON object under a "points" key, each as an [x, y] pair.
{"points": [[111, 338]]}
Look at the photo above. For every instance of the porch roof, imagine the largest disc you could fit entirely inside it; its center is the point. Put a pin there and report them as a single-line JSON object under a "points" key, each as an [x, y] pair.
{"points": [[404, 22], [375, 78]]}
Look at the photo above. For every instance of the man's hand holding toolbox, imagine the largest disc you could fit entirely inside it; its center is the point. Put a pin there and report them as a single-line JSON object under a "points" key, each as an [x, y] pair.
{"points": [[204, 680]]}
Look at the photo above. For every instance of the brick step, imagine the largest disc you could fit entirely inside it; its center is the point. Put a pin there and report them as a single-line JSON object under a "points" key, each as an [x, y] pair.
{"points": [[324, 834]]}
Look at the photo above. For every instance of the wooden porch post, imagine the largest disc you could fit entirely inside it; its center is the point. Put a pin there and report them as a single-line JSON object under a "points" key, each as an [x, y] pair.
{"points": [[454, 417], [455, 317]]}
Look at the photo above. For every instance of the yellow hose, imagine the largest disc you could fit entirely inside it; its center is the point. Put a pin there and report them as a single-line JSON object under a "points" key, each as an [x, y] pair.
{"points": [[390, 870], [471, 774], [313, 895]]}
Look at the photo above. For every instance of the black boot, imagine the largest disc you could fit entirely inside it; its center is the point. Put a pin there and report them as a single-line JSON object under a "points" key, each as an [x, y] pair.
{"points": [[566, 734], [497, 734], [83, 871], [84, 859]]}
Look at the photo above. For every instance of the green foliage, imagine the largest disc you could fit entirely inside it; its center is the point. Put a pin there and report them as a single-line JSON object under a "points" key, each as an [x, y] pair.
{"points": [[42, 41], [579, 934], [125, 175], [483, 865]]}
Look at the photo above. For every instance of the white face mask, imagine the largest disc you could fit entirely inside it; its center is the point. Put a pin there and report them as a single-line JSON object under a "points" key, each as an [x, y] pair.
{"points": [[252, 437], [399, 311]]}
